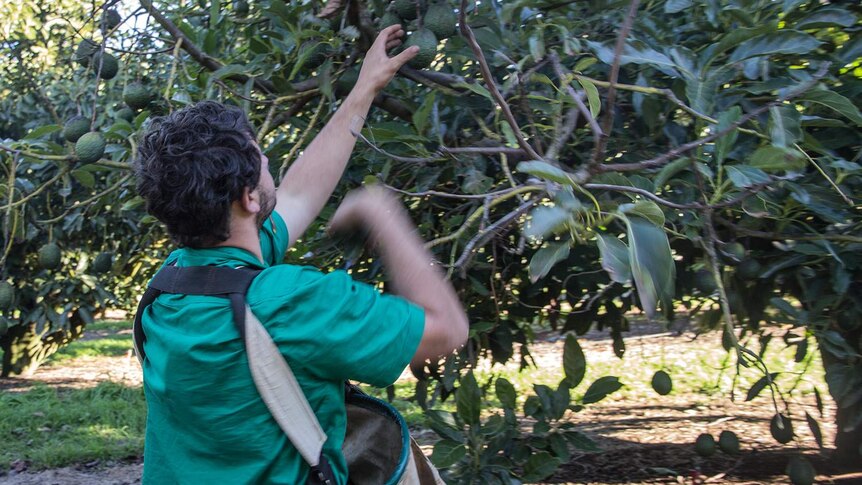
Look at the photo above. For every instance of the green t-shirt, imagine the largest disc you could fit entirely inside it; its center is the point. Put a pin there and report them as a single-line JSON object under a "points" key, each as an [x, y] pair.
{"points": [[206, 422]]}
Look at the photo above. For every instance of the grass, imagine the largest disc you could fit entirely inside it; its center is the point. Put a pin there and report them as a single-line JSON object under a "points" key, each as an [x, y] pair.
{"points": [[50, 427], [56, 427]]}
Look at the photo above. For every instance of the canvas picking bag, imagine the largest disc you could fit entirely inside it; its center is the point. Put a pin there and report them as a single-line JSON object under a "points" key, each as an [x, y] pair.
{"points": [[377, 447]]}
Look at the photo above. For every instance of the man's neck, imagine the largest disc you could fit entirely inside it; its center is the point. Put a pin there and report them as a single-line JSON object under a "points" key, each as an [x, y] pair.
{"points": [[246, 237]]}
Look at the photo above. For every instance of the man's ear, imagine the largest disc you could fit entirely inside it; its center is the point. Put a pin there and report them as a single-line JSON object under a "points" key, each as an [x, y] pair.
{"points": [[250, 200]]}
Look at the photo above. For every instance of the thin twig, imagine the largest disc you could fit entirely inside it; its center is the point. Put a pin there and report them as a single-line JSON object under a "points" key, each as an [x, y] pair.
{"points": [[825, 175], [645, 193], [397, 158], [299, 143], [458, 196], [778, 236], [608, 121], [482, 237], [563, 133], [86, 202], [467, 32], [35, 192], [482, 150], [665, 158], [579, 102]]}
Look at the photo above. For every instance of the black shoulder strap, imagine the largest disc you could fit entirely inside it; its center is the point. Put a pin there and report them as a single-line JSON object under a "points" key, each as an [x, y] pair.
{"points": [[197, 280], [213, 281]]}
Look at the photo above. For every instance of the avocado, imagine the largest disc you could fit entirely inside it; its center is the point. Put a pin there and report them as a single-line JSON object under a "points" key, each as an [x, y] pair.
{"points": [[7, 295], [75, 127], [50, 256], [705, 445], [406, 9], [109, 65], [102, 263], [136, 95], [781, 428], [440, 19], [427, 42], [800, 471], [749, 269], [388, 19], [728, 442], [90, 147], [84, 52], [111, 19], [662, 383]]}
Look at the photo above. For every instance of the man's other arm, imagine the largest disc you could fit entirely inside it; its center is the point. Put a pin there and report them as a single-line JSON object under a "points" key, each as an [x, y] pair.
{"points": [[410, 267]]}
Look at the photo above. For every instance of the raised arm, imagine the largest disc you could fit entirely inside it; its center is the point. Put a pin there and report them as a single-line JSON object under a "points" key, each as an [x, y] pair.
{"points": [[309, 182], [410, 267]]}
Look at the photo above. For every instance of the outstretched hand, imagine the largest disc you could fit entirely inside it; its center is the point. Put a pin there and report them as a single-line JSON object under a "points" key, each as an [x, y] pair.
{"points": [[378, 68]]}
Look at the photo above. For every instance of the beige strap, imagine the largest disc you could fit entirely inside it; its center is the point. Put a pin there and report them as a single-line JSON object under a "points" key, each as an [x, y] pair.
{"points": [[281, 392]]}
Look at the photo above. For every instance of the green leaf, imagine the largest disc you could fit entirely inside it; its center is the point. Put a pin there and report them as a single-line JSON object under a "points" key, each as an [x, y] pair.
{"points": [[733, 38], [447, 453], [537, 45], [615, 258], [675, 6], [468, 399], [544, 219], [506, 393], [422, 116], [632, 54], [815, 429], [834, 101], [42, 131], [545, 258], [592, 96], [581, 441], [574, 361], [647, 209], [668, 171], [443, 423], [540, 465], [601, 388], [476, 88], [782, 42], [652, 264], [826, 17], [546, 171], [758, 386], [229, 70], [725, 143], [84, 177], [775, 159], [784, 127], [743, 176]]}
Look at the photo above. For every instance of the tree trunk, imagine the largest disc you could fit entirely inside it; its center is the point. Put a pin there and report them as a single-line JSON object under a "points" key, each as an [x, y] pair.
{"points": [[843, 378]]}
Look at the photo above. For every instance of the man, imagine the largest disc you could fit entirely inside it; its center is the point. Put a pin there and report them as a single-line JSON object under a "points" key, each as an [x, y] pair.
{"points": [[203, 175]]}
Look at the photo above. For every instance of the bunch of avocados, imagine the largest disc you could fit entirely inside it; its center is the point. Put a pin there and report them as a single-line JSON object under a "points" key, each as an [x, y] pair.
{"points": [[90, 143], [436, 22]]}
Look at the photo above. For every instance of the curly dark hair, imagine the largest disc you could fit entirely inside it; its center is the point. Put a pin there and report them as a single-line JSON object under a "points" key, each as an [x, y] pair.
{"points": [[191, 165]]}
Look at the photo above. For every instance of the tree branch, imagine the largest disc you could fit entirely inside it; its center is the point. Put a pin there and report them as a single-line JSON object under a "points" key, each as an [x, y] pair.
{"points": [[777, 236], [564, 79], [484, 235], [665, 158], [197, 54], [608, 122], [467, 32]]}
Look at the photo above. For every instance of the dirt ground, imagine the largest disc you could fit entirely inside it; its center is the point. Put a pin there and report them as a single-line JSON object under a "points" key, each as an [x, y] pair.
{"points": [[642, 442]]}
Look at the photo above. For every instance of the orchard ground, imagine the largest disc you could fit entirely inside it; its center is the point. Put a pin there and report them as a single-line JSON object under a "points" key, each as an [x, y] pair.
{"points": [[644, 437]]}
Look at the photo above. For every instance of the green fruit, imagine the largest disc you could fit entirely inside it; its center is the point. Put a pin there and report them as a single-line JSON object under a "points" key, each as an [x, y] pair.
{"points": [[441, 20], [406, 9], [705, 282], [7, 295], [90, 147], [126, 113], [49, 256], [800, 471], [427, 42], [388, 19], [781, 428], [75, 127], [110, 19], [748, 269], [661, 383], [3, 327], [136, 95], [728, 442], [316, 54], [110, 66], [705, 445], [85, 51], [102, 263], [733, 253], [240, 7]]}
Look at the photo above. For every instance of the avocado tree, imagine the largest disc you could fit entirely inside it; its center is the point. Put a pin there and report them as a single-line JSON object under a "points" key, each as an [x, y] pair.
{"points": [[569, 162]]}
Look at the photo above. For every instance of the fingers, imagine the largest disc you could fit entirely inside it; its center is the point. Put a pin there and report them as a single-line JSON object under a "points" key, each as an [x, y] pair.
{"points": [[406, 55], [392, 44]]}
